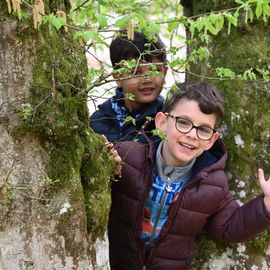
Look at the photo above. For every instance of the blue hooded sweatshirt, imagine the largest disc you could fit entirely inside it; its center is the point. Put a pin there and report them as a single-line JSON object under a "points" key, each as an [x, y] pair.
{"points": [[109, 119]]}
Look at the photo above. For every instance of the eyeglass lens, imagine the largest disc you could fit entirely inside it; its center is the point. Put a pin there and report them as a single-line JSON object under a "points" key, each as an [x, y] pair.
{"points": [[185, 126]]}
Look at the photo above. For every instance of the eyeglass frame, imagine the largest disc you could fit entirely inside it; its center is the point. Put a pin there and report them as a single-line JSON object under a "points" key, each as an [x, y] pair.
{"points": [[193, 126]]}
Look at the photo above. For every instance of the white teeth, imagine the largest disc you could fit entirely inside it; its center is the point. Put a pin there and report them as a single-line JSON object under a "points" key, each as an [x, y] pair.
{"points": [[187, 146]]}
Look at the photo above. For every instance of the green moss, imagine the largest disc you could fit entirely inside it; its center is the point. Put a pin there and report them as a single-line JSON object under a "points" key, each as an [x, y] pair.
{"points": [[204, 243], [6, 200], [95, 171], [56, 104], [6, 192], [260, 243], [60, 120]]}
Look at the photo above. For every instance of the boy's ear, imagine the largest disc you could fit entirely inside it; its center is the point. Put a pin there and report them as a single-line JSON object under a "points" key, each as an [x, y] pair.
{"points": [[212, 141], [165, 70], [160, 121]]}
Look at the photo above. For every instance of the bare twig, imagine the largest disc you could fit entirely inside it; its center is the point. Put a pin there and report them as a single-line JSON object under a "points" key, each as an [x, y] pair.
{"points": [[34, 112]]}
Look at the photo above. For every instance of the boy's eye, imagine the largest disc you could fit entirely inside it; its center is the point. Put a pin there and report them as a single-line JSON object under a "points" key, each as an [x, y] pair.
{"points": [[137, 71], [145, 69], [205, 130], [159, 68], [183, 122]]}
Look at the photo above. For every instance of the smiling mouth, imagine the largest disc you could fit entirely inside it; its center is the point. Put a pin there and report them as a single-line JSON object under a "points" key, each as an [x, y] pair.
{"points": [[187, 146], [147, 90]]}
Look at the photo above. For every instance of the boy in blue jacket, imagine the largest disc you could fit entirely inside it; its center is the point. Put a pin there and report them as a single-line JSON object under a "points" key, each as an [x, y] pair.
{"points": [[138, 91], [171, 191]]}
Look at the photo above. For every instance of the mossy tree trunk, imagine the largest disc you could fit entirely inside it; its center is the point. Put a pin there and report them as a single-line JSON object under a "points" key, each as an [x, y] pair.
{"points": [[246, 128], [55, 173]]}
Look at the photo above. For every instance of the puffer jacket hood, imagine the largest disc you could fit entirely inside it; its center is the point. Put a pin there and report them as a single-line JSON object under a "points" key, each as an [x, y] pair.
{"points": [[211, 160]]}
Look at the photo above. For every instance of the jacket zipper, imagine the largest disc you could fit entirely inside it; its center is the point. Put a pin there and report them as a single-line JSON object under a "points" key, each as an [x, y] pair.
{"points": [[167, 190]]}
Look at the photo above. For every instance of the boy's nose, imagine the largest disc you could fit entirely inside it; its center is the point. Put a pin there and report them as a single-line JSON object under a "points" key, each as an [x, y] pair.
{"points": [[192, 133], [147, 77]]}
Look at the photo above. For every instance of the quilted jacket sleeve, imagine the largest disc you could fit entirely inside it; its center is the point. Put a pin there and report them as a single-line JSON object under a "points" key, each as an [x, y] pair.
{"points": [[232, 223]]}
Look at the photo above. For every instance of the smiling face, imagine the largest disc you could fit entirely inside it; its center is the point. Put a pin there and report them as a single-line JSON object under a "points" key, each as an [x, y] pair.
{"points": [[179, 148], [146, 88]]}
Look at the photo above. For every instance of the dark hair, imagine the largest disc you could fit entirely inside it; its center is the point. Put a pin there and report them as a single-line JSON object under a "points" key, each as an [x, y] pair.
{"points": [[208, 97], [122, 48]]}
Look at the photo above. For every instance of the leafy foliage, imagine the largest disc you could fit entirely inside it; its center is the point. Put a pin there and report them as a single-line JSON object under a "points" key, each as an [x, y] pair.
{"points": [[95, 22]]}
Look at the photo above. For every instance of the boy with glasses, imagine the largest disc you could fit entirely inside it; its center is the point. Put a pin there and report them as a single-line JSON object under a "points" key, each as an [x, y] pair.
{"points": [[168, 194]]}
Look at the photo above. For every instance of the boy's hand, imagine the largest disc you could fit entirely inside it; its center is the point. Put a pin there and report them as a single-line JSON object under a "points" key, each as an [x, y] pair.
{"points": [[114, 154], [118, 160], [265, 185]]}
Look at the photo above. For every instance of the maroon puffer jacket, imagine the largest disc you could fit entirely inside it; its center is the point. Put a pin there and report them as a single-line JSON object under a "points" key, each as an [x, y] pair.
{"points": [[204, 203]]}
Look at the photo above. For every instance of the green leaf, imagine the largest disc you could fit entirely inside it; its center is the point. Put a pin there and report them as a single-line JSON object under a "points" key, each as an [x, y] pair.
{"points": [[172, 26], [192, 27], [225, 72], [153, 27], [26, 111], [123, 21], [86, 35], [214, 23], [266, 9], [57, 22], [203, 52], [159, 133], [178, 64], [231, 18], [130, 96], [130, 118], [174, 63], [249, 75], [173, 50], [265, 74], [211, 28], [259, 10], [128, 64], [149, 118], [200, 22], [102, 20], [251, 15], [219, 22], [138, 17]]}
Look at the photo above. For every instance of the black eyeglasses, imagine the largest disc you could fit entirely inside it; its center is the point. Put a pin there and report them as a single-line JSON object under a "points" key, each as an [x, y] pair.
{"points": [[184, 125]]}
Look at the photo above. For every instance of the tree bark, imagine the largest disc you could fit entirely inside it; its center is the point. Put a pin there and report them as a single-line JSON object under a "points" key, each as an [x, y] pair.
{"points": [[245, 128], [54, 185]]}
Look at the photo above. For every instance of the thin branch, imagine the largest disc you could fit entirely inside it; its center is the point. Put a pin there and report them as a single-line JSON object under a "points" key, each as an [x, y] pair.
{"points": [[82, 4], [34, 112]]}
